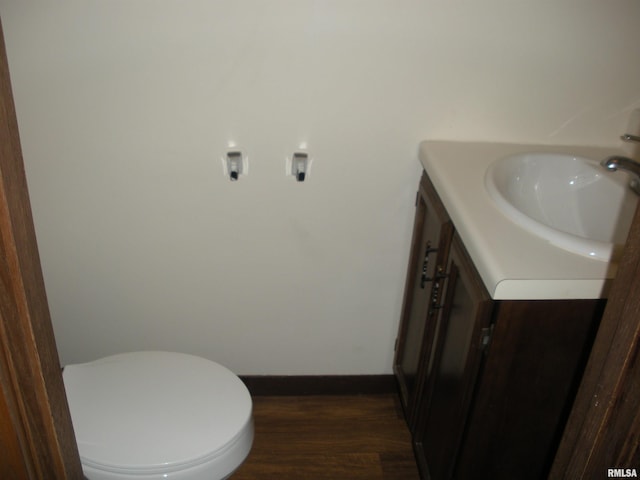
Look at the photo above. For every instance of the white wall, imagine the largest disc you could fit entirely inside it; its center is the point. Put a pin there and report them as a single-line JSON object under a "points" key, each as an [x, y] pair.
{"points": [[125, 108]]}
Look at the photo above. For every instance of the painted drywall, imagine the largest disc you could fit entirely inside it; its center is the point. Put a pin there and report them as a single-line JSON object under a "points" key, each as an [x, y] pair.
{"points": [[125, 109]]}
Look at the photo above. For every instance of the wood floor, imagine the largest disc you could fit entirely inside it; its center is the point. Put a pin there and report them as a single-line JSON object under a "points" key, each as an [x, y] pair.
{"points": [[329, 437]]}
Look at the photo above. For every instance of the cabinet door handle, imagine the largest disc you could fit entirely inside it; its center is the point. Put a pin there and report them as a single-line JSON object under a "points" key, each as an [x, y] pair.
{"points": [[425, 264], [435, 292]]}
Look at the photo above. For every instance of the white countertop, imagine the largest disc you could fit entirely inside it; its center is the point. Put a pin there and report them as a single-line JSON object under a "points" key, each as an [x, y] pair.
{"points": [[513, 263]]}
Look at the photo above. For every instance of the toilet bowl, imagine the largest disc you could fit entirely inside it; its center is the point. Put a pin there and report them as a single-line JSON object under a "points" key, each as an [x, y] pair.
{"points": [[158, 415]]}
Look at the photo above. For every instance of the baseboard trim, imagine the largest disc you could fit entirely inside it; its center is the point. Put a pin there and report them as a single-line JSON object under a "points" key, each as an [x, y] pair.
{"points": [[319, 384]]}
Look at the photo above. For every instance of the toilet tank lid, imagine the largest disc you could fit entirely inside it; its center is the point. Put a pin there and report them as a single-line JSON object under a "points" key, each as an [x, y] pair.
{"points": [[154, 411]]}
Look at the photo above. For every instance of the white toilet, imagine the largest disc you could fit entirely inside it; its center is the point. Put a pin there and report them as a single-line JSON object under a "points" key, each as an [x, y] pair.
{"points": [[158, 415]]}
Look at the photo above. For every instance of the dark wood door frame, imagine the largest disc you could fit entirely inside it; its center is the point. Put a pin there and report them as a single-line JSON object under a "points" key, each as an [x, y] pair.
{"points": [[36, 435]]}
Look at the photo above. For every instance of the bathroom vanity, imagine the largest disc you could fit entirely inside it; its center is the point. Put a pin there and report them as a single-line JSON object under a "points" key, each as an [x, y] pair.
{"points": [[496, 326]]}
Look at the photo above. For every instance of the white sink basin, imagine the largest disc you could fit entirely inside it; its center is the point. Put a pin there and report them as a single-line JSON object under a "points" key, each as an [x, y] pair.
{"points": [[571, 201]]}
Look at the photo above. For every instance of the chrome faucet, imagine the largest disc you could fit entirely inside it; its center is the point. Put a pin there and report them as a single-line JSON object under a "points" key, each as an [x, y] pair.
{"points": [[616, 162], [627, 164]]}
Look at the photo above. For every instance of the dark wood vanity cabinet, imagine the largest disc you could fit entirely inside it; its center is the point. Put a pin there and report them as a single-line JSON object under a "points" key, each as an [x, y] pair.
{"points": [[486, 385], [429, 252]]}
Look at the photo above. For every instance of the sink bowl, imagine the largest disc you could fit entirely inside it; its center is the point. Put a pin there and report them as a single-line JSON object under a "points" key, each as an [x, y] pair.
{"points": [[570, 201]]}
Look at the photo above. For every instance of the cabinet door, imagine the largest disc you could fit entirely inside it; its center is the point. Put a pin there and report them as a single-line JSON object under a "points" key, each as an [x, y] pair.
{"points": [[526, 388], [462, 330], [429, 249]]}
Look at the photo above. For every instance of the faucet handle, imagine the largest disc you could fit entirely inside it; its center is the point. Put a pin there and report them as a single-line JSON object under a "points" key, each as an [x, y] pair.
{"points": [[627, 137]]}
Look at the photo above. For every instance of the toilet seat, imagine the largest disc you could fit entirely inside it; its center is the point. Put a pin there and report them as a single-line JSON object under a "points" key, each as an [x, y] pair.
{"points": [[146, 413]]}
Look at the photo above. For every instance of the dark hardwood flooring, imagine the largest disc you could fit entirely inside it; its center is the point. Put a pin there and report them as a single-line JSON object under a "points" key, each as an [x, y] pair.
{"points": [[329, 437]]}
